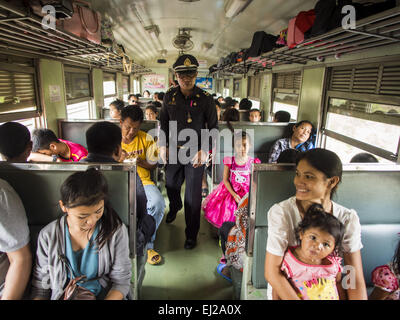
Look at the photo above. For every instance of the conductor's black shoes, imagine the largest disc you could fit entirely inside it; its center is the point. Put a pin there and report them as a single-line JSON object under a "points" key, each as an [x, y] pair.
{"points": [[170, 217], [190, 244]]}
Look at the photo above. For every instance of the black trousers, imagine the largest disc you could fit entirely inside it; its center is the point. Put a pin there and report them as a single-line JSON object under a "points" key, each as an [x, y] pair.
{"points": [[175, 175], [223, 233]]}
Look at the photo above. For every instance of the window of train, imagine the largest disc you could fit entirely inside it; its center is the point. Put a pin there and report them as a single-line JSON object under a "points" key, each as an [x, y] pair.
{"points": [[226, 91], [237, 88], [78, 92], [363, 111], [109, 88], [19, 97], [286, 94], [254, 87], [125, 87], [136, 86]]}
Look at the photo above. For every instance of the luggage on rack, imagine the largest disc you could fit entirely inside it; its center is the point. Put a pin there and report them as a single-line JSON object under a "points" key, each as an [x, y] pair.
{"points": [[85, 22], [368, 9], [282, 39], [213, 68], [328, 15], [298, 26], [262, 42], [63, 8]]}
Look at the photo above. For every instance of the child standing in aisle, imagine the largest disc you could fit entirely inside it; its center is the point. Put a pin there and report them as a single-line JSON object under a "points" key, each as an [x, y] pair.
{"points": [[220, 205]]}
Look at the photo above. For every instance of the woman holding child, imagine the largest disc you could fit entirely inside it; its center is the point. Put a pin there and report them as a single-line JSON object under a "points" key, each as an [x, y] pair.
{"points": [[318, 173]]}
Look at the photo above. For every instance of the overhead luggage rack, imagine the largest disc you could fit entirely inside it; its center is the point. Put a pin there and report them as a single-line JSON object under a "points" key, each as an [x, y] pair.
{"points": [[379, 30], [22, 32]]}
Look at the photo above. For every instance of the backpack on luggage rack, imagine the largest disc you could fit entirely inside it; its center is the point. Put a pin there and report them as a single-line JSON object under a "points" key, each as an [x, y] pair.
{"points": [[262, 42]]}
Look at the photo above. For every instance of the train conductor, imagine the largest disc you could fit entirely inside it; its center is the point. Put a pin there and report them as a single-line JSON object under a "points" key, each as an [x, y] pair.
{"points": [[185, 151]]}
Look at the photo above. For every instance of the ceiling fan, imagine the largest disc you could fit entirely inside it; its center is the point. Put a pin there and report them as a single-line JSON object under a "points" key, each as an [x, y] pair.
{"points": [[182, 41]]}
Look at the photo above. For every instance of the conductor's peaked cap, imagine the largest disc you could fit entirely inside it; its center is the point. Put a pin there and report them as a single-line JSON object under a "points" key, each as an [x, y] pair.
{"points": [[185, 63]]}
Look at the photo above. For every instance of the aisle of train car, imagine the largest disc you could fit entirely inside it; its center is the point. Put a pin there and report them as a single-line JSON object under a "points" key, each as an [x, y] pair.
{"points": [[185, 274]]}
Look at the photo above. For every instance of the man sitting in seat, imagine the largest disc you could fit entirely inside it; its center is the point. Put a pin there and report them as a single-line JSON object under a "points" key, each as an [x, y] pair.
{"points": [[141, 148], [281, 116], [15, 142], [47, 147], [15, 252]]}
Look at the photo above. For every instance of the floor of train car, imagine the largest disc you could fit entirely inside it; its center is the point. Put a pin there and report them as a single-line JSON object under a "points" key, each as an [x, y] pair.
{"points": [[185, 274]]}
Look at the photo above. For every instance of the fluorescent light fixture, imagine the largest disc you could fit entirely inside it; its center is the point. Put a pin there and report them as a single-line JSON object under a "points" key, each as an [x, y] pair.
{"points": [[154, 30], [234, 7]]}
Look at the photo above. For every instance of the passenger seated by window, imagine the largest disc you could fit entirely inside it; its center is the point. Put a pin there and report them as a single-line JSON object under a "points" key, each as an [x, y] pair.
{"points": [[15, 252], [104, 145], [229, 103], [386, 279], [363, 157], [133, 99], [218, 107], [160, 97], [116, 108], [15, 142], [88, 240], [301, 139], [230, 115], [146, 94], [245, 104], [313, 267], [288, 156], [151, 112], [318, 174], [255, 115], [47, 147], [235, 104], [281, 116], [141, 148]]}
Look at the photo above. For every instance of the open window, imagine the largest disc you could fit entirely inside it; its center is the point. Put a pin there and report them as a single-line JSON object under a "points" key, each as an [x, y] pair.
{"points": [[363, 111], [79, 92], [286, 92], [125, 87], [109, 88]]}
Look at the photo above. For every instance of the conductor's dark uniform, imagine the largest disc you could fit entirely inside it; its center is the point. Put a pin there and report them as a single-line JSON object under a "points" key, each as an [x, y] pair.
{"points": [[179, 112]]}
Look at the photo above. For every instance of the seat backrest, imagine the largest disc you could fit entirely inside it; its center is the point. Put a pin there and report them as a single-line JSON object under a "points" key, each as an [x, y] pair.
{"points": [[372, 190], [75, 130], [38, 186], [263, 135]]}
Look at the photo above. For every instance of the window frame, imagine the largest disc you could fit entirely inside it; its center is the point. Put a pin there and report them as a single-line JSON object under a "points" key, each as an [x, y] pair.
{"points": [[115, 94], [375, 98], [31, 68], [72, 69]]}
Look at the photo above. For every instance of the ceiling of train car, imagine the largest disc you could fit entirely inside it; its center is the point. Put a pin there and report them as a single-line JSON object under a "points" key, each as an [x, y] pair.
{"points": [[205, 18]]}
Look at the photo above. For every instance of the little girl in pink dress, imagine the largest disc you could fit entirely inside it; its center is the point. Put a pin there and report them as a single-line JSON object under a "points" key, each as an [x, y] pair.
{"points": [[386, 279], [313, 268], [220, 205]]}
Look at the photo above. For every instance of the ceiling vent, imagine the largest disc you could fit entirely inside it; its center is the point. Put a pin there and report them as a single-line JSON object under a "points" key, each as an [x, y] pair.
{"points": [[182, 40]]}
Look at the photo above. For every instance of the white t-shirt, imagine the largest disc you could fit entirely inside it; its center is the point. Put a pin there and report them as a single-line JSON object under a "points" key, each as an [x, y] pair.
{"points": [[14, 230], [284, 218]]}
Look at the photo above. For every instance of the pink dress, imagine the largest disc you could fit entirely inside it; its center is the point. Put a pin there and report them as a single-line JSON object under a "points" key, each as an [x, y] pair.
{"points": [[76, 151], [312, 282], [220, 206], [386, 279]]}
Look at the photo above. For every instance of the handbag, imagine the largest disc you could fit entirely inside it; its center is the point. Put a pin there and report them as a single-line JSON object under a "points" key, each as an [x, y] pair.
{"points": [[85, 22], [73, 291]]}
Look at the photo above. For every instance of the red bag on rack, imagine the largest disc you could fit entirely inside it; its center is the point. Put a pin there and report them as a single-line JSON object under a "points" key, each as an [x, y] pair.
{"points": [[298, 26], [85, 22]]}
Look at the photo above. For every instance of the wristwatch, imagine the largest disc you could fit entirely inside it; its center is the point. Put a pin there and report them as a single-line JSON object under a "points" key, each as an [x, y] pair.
{"points": [[55, 157]]}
